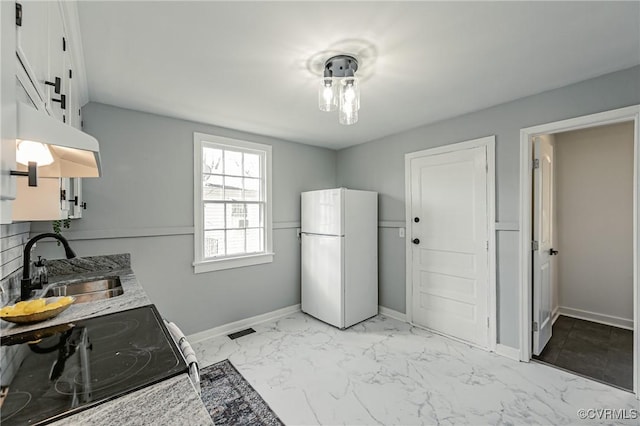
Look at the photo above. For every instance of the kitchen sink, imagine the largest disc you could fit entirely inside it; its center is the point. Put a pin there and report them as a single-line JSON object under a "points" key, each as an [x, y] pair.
{"points": [[89, 291]]}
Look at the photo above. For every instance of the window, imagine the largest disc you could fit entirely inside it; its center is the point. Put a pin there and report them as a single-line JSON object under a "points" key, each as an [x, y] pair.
{"points": [[232, 192]]}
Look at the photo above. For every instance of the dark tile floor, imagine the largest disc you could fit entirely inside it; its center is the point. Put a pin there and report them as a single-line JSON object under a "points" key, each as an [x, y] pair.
{"points": [[594, 350]]}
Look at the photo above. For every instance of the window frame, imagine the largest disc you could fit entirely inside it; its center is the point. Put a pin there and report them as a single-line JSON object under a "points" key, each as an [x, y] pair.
{"points": [[201, 264]]}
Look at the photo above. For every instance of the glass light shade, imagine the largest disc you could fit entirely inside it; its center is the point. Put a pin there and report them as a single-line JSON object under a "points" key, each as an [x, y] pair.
{"points": [[349, 101], [348, 117], [27, 151], [350, 93], [327, 96]]}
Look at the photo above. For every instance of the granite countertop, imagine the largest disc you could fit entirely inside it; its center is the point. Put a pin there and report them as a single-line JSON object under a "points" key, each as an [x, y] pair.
{"points": [[173, 401], [170, 402], [86, 269]]}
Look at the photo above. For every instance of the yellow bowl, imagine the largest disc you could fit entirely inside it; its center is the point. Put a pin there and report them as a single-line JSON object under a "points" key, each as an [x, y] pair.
{"points": [[39, 316]]}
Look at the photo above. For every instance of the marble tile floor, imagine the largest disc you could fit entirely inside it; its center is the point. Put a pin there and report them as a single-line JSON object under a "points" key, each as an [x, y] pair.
{"points": [[386, 372]]}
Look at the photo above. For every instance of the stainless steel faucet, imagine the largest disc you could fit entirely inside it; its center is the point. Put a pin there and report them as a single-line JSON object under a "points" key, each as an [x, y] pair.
{"points": [[26, 286]]}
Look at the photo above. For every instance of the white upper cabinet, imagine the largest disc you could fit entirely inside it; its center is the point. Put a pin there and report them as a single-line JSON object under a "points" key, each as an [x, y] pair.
{"points": [[73, 112], [49, 77], [57, 94], [32, 42], [42, 50]]}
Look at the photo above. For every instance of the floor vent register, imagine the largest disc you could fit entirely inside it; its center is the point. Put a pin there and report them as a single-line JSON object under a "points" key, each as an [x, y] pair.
{"points": [[240, 333]]}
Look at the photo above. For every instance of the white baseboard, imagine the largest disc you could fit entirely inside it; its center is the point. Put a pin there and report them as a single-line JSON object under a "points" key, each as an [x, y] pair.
{"points": [[508, 352], [232, 327], [392, 314], [595, 317], [555, 314]]}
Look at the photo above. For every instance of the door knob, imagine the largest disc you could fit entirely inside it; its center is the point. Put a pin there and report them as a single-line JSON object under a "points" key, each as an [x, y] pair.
{"points": [[553, 252], [416, 241], [416, 219]]}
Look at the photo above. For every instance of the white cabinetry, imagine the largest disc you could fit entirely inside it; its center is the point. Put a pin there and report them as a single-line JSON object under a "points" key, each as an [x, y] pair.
{"points": [[49, 76], [56, 100], [32, 42], [8, 116]]}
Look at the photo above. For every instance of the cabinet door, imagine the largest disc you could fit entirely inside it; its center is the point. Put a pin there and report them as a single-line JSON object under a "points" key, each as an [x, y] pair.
{"points": [[56, 43], [26, 94], [75, 198], [66, 196], [73, 101], [32, 46]]}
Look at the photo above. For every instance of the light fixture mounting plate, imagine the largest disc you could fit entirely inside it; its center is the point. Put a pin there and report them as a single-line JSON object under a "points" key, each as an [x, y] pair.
{"points": [[339, 64]]}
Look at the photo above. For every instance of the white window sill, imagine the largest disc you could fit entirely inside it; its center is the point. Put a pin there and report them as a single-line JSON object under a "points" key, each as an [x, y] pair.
{"points": [[235, 262]]}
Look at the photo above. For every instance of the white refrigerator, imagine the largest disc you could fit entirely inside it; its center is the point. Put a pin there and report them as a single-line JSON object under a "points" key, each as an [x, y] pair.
{"points": [[340, 255]]}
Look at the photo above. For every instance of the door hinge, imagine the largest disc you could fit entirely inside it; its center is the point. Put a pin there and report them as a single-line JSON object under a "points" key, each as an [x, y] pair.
{"points": [[18, 14], [534, 245], [64, 44], [63, 194], [70, 74], [487, 322], [534, 326], [487, 245], [536, 164]]}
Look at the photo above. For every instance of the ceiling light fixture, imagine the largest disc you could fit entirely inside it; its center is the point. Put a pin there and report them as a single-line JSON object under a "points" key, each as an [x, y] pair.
{"points": [[339, 88]]}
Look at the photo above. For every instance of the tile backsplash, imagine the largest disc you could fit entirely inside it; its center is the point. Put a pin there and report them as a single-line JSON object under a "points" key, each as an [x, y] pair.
{"points": [[13, 237], [12, 240]]}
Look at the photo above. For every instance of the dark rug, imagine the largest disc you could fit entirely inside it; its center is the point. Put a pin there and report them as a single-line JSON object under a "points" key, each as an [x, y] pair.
{"points": [[231, 400]]}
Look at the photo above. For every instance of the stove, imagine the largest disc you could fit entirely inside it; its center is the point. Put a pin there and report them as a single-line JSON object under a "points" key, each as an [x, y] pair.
{"points": [[57, 371]]}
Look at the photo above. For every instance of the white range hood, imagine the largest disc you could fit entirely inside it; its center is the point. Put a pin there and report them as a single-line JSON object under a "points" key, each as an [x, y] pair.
{"points": [[73, 152]]}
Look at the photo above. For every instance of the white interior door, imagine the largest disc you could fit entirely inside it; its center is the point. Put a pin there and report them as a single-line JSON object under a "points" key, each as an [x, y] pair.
{"points": [[449, 231], [543, 235]]}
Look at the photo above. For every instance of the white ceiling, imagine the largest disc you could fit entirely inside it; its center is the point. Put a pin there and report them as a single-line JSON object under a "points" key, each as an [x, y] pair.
{"points": [[244, 65]]}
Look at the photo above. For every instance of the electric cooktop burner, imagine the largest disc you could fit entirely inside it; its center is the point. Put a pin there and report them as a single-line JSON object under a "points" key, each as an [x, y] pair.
{"points": [[54, 372]]}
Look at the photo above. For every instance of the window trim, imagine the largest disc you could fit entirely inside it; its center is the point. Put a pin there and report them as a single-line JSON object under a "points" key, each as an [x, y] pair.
{"points": [[201, 265]]}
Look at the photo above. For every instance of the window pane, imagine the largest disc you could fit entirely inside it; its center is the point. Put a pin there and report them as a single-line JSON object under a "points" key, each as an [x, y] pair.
{"points": [[214, 216], [211, 160], [252, 189], [232, 188], [235, 241], [213, 243], [236, 215], [253, 216], [212, 187], [254, 240], [252, 165], [233, 206], [233, 163]]}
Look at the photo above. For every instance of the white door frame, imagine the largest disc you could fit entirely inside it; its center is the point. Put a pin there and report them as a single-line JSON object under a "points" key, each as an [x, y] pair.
{"points": [[490, 143], [631, 113]]}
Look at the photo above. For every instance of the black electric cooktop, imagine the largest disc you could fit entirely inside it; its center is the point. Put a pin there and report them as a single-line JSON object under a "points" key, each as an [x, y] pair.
{"points": [[54, 372]]}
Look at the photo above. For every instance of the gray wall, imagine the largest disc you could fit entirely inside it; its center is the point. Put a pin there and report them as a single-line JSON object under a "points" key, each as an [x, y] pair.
{"points": [[379, 166], [594, 193], [147, 189]]}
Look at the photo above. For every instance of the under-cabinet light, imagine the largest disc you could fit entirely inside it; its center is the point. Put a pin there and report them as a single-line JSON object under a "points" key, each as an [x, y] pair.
{"points": [[29, 151]]}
